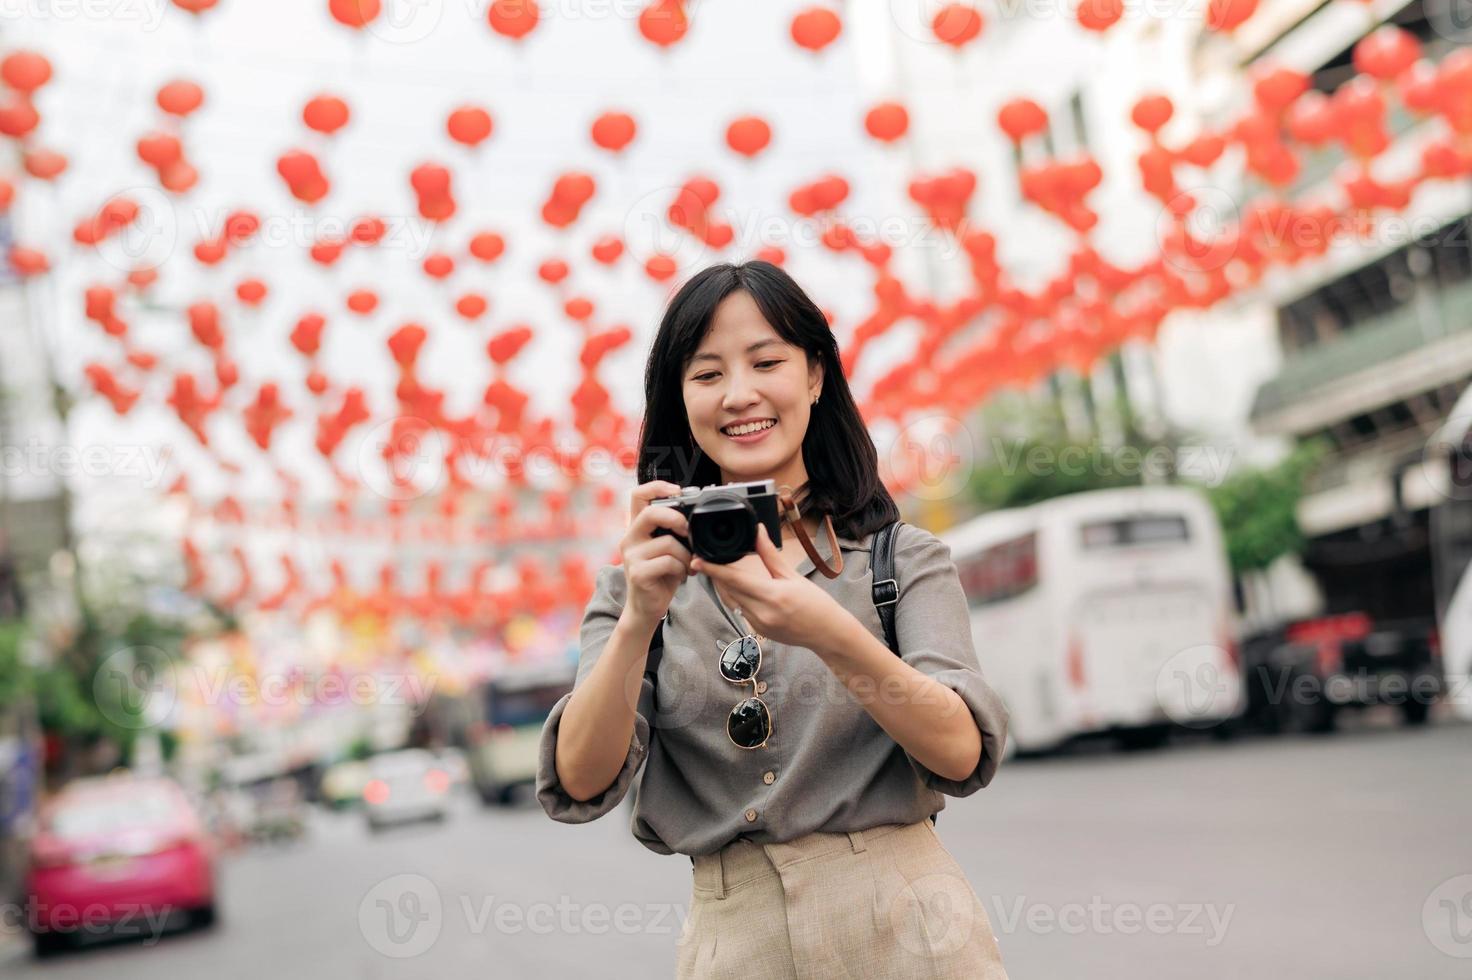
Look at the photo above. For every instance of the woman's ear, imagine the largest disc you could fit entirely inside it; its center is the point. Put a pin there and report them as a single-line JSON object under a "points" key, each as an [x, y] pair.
{"points": [[815, 379]]}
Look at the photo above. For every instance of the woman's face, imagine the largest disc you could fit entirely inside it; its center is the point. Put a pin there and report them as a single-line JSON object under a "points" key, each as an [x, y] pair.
{"points": [[749, 394]]}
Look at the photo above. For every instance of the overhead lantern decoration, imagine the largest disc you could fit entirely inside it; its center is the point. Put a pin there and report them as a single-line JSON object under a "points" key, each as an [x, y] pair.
{"points": [[614, 131], [514, 18], [1386, 53], [1021, 118], [356, 14], [956, 24], [25, 71], [1099, 15], [887, 122], [326, 114], [664, 23], [487, 246], [18, 117], [303, 176], [1227, 15], [1152, 112], [749, 136], [470, 125], [816, 28], [608, 249], [180, 98]]}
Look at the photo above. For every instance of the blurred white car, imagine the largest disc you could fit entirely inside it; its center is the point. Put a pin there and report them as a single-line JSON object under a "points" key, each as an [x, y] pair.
{"points": [[406, 786]]}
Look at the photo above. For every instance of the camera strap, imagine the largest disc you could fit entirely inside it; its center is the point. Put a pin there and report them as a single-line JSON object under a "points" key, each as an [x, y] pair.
{"points": [[792, 516]]}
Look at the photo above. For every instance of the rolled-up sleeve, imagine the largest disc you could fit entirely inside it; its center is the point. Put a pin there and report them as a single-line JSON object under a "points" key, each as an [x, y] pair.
{"points": [[933, 626], [599, 620]]}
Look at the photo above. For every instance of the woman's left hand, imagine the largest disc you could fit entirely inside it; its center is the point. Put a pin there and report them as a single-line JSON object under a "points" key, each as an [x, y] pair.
{"points": [[775, 600]]}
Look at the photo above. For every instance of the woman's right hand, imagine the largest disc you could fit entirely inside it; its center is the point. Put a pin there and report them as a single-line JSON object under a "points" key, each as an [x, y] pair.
{"points": [[654, 567]]}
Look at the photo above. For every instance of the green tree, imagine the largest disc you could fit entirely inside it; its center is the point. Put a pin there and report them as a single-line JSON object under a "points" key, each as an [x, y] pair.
{"points": [[1258, 509]]}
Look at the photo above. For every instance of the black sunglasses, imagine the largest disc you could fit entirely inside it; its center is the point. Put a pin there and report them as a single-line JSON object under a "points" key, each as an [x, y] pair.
{"points": [[749, 725]]}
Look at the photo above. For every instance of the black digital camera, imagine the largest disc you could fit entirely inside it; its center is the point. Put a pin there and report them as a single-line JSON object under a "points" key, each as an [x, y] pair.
{"points": [[723, 518]]}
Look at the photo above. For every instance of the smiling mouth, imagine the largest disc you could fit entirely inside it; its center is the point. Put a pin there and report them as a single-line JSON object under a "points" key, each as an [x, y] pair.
{"points": [[748, 428]]}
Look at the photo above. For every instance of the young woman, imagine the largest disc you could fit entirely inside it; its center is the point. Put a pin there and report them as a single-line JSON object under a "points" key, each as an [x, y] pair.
{"points": [[805, 799]]}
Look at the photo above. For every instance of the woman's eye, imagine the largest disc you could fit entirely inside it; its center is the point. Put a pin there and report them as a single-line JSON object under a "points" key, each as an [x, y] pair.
{"points": [[766, 363], [704, 377]]}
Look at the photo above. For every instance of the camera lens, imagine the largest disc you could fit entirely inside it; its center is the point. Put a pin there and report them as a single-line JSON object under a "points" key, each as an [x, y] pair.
{"points": [[722, 529]]}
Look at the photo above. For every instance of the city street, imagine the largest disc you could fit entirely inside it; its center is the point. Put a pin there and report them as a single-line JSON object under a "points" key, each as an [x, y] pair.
{"points": [[1303, 858]]}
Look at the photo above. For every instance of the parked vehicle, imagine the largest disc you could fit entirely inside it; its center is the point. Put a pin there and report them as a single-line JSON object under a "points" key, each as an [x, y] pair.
{"points": [[502, 744], [1104, 612], [404, 787], [118, 856], [1303, 676]]}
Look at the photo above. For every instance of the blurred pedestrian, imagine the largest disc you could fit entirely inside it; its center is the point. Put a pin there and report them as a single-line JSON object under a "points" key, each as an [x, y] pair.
{"points": [[807, 808]]}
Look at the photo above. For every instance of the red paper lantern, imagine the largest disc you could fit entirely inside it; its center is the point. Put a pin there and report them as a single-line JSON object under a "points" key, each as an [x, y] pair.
{"points": [[1152, 112], [613, 131], [470, 125], [956, 24], [815, 28], [438, 266], [180, 98], [1228, 15], [356, 14], [1386, 52], [660, 268], [1021, 118], [487, 246], [887, 122], [472, 306], [664, 22], [749, 136], [552, 271], [513, 18], [326, 114], [44, 164], [18, 118], [25, 71], [362, 301], [1099, 15], [608, 249], [251, 292]]}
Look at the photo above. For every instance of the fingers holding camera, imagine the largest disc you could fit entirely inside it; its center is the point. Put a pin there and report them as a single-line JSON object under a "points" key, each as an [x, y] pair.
{"points": [[645, 492], [655, 567]]}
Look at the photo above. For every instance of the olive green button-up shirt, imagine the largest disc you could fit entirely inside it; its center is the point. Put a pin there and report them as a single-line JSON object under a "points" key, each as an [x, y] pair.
{"points": [[828, 765]]}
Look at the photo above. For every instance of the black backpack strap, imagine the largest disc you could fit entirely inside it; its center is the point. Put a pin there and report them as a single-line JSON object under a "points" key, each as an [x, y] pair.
{"points": [[651, 663], [886, 586]]}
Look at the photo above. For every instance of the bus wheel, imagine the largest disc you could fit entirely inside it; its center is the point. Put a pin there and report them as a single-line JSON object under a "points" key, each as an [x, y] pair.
{"points": [[1415, 711], [1143, 739]]}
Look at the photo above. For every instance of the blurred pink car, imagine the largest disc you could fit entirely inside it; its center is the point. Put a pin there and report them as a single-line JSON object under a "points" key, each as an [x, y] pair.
{"points": [[118, 856]]}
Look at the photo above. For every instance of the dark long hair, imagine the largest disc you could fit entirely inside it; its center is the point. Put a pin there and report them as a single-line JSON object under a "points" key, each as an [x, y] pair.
{"points": [[842, 464]]}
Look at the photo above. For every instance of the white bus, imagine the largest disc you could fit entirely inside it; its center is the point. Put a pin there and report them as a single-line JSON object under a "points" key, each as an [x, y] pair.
{"points": [[1108, 611]]}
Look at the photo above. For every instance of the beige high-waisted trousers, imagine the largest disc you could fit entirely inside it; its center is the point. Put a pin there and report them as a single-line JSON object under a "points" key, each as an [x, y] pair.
{"points": [[888, 903]]}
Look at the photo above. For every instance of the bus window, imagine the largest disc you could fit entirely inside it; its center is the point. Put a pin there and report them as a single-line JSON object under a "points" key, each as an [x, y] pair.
{"points": [[1152, 529], [522, 706], [1003, 571]]}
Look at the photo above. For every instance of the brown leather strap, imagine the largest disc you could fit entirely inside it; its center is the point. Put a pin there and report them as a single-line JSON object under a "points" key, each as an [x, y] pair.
{"points": [[791, 515]]}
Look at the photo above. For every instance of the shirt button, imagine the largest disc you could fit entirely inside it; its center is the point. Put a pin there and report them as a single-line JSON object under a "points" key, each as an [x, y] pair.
{"points": [[767, 777], [750, 816], [761, 687]]}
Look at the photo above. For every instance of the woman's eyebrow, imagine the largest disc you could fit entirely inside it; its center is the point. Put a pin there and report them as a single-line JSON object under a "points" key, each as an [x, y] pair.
{"points": [[750, 348]]}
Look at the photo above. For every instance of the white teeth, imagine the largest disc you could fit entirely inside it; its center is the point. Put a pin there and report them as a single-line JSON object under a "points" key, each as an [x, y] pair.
{"points": [[741, 430]]}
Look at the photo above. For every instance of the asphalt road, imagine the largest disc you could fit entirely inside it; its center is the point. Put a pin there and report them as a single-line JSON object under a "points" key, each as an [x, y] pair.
{"points": [[1298, 858]]}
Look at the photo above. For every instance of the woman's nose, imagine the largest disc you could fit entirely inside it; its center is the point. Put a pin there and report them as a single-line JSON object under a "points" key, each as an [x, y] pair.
{"points": [[739, 392]]}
